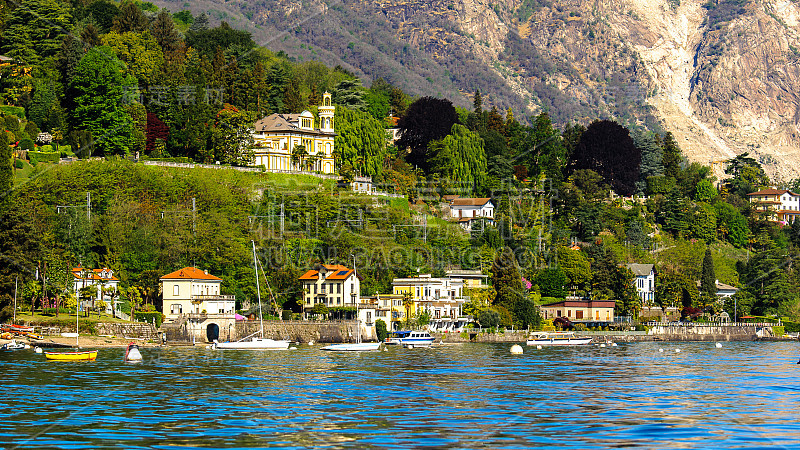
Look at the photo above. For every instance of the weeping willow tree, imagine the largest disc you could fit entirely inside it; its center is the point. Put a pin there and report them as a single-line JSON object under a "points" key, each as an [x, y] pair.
{"points": [[459, 160], [360, 142]]}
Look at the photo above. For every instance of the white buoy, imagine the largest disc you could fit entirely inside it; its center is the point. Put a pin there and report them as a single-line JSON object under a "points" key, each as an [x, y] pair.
{"points": [[613, 344], [602, 345], [718, 345], [538, 347], [292, 348], [310, 342], [516, 349], [661, 350], [677, 350], [37, 350], [132, 354]]}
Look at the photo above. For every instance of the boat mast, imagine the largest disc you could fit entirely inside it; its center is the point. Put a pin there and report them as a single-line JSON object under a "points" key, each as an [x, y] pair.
{"points": [[358, 319], [16, 284], [258, 289]]}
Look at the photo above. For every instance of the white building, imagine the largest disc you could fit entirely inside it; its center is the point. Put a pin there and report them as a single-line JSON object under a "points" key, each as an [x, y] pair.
{"points": [[277, 135], [442, 298], [777, 204], [331, 285], [196, 294], [472, 279], [645, 283], [461, 208], [105, 284]]}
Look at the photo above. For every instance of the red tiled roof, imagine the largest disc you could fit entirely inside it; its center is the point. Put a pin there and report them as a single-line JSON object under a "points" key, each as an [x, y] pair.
{"points": [[771, 192], [190, 273], [470, 201]]}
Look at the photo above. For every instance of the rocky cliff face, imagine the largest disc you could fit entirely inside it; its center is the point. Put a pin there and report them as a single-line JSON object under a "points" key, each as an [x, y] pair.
{"points": [[719, 74]]}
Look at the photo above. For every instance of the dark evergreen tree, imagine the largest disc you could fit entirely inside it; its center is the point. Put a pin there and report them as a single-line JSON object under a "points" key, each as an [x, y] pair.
{"points": [[6, 169], [350, 94], [34, 29], [277, 79], [200, 23], [551, 282], [103, 12], [506, 279], [607, 148], [652, 158], [425, 120], [672, 158], [130, 18], [708, 279], [163, 29], [90, 36]]}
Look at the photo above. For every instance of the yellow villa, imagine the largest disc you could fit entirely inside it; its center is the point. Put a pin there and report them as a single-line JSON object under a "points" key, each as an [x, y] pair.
{"points": [[277, 135]]}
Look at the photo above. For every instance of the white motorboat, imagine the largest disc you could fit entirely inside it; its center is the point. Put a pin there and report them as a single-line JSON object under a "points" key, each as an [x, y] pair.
{"points": [[557, 338], [252, 342], [414, 339], [358, 346], [14, 345]]}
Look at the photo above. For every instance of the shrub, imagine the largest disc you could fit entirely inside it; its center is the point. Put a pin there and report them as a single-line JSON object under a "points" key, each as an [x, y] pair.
{"points": [[37, 157], [148, 316], [489, 318], [17, 111], [19, 164], [778, 331], [26, 144], [380, 329]]}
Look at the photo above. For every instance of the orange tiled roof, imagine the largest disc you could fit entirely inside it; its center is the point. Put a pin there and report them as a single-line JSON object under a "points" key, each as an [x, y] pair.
{"points": [[470, 201], [340, 272], [94, 275], [190, 273]]}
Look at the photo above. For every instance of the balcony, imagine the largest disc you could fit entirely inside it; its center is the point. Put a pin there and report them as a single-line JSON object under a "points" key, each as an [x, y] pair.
{"points": [[213, 298]]}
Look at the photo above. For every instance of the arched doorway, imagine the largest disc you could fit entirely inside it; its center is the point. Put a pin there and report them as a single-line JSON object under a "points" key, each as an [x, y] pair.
{"points": [[212, 332]]}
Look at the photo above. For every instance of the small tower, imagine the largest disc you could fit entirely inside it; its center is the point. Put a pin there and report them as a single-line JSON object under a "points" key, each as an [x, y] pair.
{"points": [[326, 111]]}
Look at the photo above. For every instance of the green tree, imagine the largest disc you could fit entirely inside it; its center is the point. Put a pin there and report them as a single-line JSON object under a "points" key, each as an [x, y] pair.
{"points": [[704, 222], [164, 32], [708, 280], [140, 52], [102, 87], [6, 169], [731, 225], [34, 29], [705, 191], [380, 330], [671, 157], [747, 175], [129, 19], [299, 154], [350, 94], [460, 159], [551, 282], [506, 278], [360, 142], [576, 267], [489, 318], [231, 138]]}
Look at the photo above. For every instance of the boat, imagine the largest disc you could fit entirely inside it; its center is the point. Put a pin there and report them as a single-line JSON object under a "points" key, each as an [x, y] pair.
{"points": [[557, 338], [252, 342], [358, 346], [71, 356], [132, 353], [416, 339], [16, 329], [14, 345]]}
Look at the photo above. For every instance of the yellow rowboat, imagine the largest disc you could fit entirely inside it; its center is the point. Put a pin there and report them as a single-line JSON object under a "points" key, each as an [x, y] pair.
{"points": [[71, 356]]}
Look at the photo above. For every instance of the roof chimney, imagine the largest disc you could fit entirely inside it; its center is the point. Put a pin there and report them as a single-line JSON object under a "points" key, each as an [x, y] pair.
{"points": [[206, 271]]}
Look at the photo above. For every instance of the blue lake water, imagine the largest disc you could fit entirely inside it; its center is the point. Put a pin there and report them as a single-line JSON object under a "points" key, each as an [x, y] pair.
{"points": [[744, 395]]}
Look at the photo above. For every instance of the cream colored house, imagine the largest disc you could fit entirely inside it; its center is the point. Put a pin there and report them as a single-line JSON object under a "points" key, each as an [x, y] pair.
{"points": [[332, 285], [442, 298], [779, 205], [196, 294], [580, 310], [277, 135]]}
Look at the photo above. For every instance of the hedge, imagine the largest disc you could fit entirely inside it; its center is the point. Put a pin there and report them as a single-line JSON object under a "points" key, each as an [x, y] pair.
{"points": [[148, 316], [13, 110], [37, 157]]}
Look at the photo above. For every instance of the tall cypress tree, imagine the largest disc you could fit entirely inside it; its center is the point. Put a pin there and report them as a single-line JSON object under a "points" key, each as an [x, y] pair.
{"points": [[672, 157], [6, 169], [708, 279]]}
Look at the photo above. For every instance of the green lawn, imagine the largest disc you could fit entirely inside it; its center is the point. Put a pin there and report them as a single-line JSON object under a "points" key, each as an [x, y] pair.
{"points": [[38, 317]]}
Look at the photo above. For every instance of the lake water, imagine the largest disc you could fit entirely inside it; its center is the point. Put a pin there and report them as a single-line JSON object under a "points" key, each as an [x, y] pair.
{"points": [[744, 395]]}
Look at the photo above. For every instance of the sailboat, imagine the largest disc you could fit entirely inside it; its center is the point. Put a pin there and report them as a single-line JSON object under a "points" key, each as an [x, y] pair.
{"points": [[252, 342], [90, 355], [358, 346]]}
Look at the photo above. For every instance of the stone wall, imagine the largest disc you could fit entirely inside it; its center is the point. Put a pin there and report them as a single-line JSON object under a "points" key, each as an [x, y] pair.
{"points": [[305, 331], [710, 332], [139, 330]]}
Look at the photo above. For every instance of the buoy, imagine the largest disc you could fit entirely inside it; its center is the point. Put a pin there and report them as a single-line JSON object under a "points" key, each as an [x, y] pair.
{"points": [[661, 350], [310, 342], [385, 349], [292, 348], [602, 345], [613, 344], [132, 354], [39, 350], [538, 347], [719, 345], [677, 350], [516, 349]]}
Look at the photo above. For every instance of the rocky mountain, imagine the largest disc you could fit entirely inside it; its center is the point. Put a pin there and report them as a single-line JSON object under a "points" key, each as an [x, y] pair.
{"points": [[719, 74]]}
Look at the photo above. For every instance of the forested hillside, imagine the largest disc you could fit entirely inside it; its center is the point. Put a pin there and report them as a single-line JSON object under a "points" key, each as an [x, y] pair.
{"points": [[574, 202]]}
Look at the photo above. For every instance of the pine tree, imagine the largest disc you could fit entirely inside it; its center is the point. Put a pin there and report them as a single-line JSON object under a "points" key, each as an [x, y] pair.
{"points": [[506, 279], [477, 103], [200, 23], [163, 29], [708, 278], [34, 29], [6, 168], [672, 157], [130, 18]]}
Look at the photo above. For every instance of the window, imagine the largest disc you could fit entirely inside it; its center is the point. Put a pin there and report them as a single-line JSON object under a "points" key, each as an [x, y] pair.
{"points": [[338, 288], [569, 313], [579, 314], [315, 289], [176, 291], [176, 308]]}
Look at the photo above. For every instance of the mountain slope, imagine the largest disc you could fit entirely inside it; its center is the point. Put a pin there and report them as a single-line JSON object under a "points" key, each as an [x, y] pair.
{"points": [[719, 74]]}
